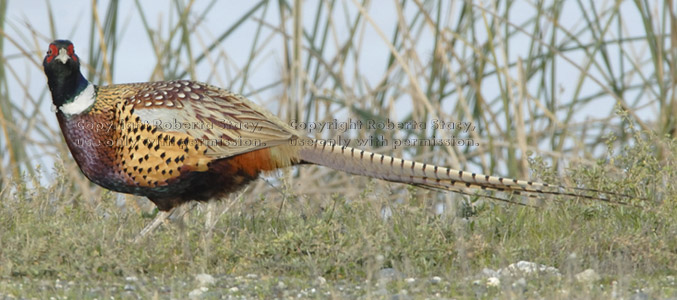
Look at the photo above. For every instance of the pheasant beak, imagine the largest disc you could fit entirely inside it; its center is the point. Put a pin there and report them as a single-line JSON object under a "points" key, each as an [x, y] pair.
{"points": [[63, 56]]}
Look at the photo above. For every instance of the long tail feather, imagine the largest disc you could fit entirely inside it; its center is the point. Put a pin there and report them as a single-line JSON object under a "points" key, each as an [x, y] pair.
{"points": [[361, 162]]}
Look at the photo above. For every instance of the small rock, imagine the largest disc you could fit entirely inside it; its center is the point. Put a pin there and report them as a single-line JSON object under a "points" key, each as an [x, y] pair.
{"points": [[493, 282], [587, 276], [639, 295], [129, 288], [252, 276], [436, 279], [320, 280], [489, 272], [281, 285], [527, 268], [204, 279], [196, 293], [381, 292], [386, 213], [479, 288], [388, 274], [401, 296], [131, 278], [520, 285], [234, 289], [410, 280]]}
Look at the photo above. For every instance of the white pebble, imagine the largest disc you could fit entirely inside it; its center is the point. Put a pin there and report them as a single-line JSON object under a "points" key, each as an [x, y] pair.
{"points": [[527, 268], [196, 293], [587, 276], [205, 279], [520, 284], [493, 282]]}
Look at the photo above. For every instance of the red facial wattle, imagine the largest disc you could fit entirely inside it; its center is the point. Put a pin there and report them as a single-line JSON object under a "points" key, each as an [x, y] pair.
{"points": [[52, 53], [71, 53]]}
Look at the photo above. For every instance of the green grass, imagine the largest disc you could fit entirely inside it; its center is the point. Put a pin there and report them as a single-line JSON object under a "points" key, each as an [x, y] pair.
{"points": [[48, 243]]}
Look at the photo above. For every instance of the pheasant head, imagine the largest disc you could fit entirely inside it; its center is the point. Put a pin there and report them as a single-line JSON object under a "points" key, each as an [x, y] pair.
{"points": [[71, 92]]}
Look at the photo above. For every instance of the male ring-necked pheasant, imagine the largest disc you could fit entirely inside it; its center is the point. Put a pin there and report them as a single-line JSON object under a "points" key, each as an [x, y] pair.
{"points": [[178, 141]]}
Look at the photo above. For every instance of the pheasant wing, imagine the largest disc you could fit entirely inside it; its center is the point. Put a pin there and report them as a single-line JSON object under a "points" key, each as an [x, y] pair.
{"points": [[226, 123]]}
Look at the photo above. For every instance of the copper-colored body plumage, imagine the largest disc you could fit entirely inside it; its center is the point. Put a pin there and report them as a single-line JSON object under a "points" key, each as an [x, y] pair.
{"points": [[175, 141]]}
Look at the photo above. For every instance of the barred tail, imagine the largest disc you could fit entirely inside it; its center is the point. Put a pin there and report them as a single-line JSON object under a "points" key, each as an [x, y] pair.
{"points": [[361, 162]]}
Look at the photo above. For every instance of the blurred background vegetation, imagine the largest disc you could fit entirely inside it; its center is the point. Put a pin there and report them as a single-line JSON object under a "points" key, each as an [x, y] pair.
{"points": [[547, 78]]}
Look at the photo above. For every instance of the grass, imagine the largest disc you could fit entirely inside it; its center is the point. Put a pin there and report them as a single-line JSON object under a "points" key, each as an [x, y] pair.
{"points": [[584, 101], [52, 248]]}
